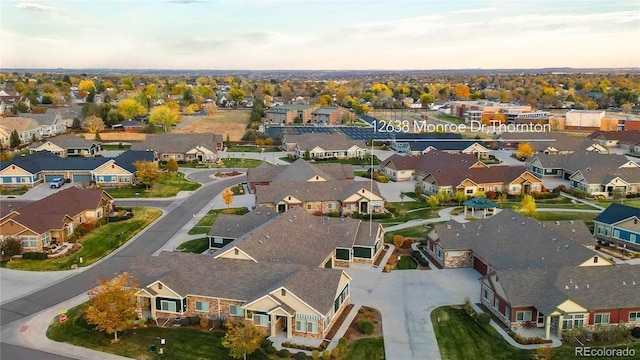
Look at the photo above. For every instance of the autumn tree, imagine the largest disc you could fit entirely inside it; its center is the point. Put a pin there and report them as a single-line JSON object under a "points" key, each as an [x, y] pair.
{"points": [[525, 150], [398, 240], [433, 202], [236, 95], [227, 197], [461, 91], [164, 116], [172, 166], [502, 198], [528, 205], [460, 196], [10, 246], [443, 196], [147, 172], [242, 338], [85, 87], [210, 109], [112, 305], [93, 124], [130, 108]]}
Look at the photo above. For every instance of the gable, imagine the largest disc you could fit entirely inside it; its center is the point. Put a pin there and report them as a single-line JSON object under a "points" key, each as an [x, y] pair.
{"points": [[163, 290], [362, 193], [49, 146], [344, 280], [630, 164], [263, 303], [235, 253], [597, 260], [577, 176], [110, 168], [293, 301], [316, 178], [288, 199], [14, 170], [632, 224], [569, 307]]}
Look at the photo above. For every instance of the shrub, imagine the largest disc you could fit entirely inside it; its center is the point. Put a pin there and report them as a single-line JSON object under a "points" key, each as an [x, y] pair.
{"points": [[635, 332], [34, 255], [361, 311], [407, 243], [315, 355], [194, 320], [335, 352], [270, 350], [266, 343], [483, 319], [365, 326], [204, 323], [398, 241], [467, 306], [491, 194], [184, 322], [300, 356], [342, 342], [326, 355], [284, 353]]}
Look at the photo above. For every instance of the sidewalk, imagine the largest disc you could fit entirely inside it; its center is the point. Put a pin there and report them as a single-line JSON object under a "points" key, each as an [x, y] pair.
{"points": [[443, 215]]}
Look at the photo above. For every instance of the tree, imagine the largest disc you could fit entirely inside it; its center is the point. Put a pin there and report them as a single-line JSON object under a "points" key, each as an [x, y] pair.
{"points": [[433, 202], [130, 108], [93, 124], [528, 205], [164, 116], [172, 165], [461, 91], [228, 141], [10, 246], [98, 136], [502, 198], [626, 108], [86, 86], [147, 172], [242, 338], [443, 196], [418, 190], [236, 95], [227, 197], [525, 150], [14, 139], [460, 196], [112, 305], [210, 109], [398, 240]]}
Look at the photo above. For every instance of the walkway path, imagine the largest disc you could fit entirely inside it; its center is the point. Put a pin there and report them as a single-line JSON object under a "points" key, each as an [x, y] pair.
{"points": [[443, 215], [590, 203]]}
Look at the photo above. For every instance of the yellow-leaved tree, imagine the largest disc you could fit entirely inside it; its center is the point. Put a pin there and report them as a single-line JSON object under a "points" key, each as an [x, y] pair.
{"points": [[130, 108], [113, 306], [242, 338], [528, 205], [93, 124], [147, 172], [164, 116], [172, 166], [525, 150], [227, 197]]}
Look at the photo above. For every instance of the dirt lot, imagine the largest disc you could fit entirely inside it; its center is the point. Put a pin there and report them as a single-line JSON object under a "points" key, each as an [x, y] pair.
{"points": [[232, 122], [116, 136]]}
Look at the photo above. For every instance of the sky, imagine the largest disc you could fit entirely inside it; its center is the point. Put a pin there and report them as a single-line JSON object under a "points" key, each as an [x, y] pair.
{"points": [[319, 35]]}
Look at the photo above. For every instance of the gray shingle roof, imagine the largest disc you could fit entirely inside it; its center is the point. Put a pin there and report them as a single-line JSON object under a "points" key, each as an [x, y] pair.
{"points": [[234, 226], [580, 160], [337, 141], [299, 170], [67, 142], [312, 191], [177, 142]]}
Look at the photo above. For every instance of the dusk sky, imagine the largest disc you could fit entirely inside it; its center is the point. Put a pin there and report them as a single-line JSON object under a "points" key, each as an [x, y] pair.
{"points": [[330, 35]]}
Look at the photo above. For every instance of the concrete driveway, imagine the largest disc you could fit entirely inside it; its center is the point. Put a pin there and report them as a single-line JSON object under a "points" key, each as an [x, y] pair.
{"points": [[41, 191], [406, 298]]}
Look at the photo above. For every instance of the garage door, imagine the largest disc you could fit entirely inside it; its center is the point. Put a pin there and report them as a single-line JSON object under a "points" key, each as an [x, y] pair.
{"points": [[480, 266], [48, 178], [81, 177]]}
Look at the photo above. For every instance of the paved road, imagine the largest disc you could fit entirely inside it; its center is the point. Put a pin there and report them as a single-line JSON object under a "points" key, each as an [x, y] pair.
{"points": [[146, 243], [15, 352]]}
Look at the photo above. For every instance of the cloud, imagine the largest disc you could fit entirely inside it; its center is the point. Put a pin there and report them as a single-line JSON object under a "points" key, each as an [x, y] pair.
{"points": [[34, 7], [186, 2]]}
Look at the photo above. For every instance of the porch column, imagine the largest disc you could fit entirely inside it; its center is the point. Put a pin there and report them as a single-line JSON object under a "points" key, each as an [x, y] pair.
{"points": [[547, 327], [289, 328], [273, 324], [465, 211], [560, 326]]}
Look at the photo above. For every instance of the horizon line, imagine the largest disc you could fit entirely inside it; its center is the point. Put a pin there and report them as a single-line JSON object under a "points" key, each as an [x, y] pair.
{"points": [[637, 68]]}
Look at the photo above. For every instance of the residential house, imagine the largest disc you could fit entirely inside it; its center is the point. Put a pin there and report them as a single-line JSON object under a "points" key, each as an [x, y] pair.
{"points": [[5, 137], [322, 197], [53, 219], [453, 147], [67, 145], [549, 142], [329, 115], [618, 224], [230, 227], [299, 171], [27, 129], [435, 160], [183, 146], [55, 120], [129, 126], [399, 168], [622, 139], [325, 146], [507, 179], [290, 113]]}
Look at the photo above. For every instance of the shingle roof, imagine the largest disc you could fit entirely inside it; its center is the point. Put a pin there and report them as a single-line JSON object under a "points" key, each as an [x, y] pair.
{"points": [[437, 160], [234, 226], [630, 137], [18, 123], [46, 161], [493, 174], [129, 157], [441, 145], [299, 170], [603, 173], [66, 142], [52, 115], [616, 213], [509, 240], [312, 191], [580, 160], [177, 142], [399, 162], [49, 213], [337, 141]]}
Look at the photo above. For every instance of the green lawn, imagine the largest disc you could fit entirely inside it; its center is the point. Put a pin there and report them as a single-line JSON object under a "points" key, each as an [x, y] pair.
{"points": [[181, 343], [452, 119], [418, 233], [203, 226], [410, 210], [168, 186], [406, 262], [115, 146], [20, 191], [459, 337], [552, 216], [196, 246], [568, 352], [357, 162], [95, 245], [366, 349], [237, 162], [629, 202]]}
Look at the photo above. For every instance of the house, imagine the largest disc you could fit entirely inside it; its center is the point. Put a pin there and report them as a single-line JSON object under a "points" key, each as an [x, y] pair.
{"points": [[182, 146], [436, 160], [230, 227], [329, 115], [512, 180], [453, 147], [290, 113], [27, 129], [622, 139], [549, 142], [291, 285], [325, 146], [298, 171], [43, 166], [55, 120], [53, 219], [399, 168], [67, 145], [618, 224], [130, 126], [322, 197]]}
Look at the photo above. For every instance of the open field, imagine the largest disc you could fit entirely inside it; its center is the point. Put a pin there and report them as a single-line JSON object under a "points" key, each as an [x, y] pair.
{"points": [[231, 122]]}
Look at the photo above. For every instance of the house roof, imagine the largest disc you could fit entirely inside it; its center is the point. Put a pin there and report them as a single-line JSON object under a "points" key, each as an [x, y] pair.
{"points": [[400, 162], [480, 203], [53, 115], [494, 174], [188, 273], [337, 141], [50, 212], [579, 160], [629, 136], [66, 142], [325, 111], [603, 173], [299, 170], [616, 213], [127, 159], [312, 191], [438, 160], [46, 161], [509, 240], [543, 140], [441, 145], [234, 226], [18, 123], [177, 142]]}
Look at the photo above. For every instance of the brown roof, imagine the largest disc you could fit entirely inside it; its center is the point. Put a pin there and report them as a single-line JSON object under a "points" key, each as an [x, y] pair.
{"points": [[50, 212], [19, 123], [312, 191], [299, 170], [399, 162], [338, 141], [177, 142], [494, 174], [629, 136], [437, 160]]}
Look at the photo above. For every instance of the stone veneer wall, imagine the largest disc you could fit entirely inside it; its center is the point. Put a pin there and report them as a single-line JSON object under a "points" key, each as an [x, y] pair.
{"points": [[213, 307], [463, 260]]}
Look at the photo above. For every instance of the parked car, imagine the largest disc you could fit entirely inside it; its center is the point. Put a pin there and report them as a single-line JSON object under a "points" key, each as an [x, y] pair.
{"points": [[56, 183]]}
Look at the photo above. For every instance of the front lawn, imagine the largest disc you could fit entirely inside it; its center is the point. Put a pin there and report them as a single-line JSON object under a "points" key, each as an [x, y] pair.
{"points": [[237, 162], [406, 262], [369, 349], [417, 233], [181, 343], [196, 246], [95, 245], [168, 186], [460, 337], [203, 226], [20, 191]]}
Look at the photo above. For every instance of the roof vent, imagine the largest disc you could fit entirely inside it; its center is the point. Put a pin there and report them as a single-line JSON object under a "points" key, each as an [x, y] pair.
{"points": [[289, 220], [557, 222], [513, 218], [457, 234], [587, 286], [449, 226], [553, 239], [633, 282], [463, 225], [566, 287], [258, 212], [260, 242], [523, 223], [576, 286], [624, 283], [267, 237], [566, 246]]}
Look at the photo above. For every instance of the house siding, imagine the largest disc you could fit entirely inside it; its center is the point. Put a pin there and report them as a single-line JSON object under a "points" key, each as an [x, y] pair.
{"points": [[458, 259]]}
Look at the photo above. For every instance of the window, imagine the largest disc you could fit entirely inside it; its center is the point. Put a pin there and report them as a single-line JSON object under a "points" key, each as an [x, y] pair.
{"points": [[308, 206], [330, 206], [486, 294], [202, 306], [496, 302], [573, 321], [507, 313], [301, 325], [159, 286], [616, 233], [634, 316], [169, 306], [312, 326], [283, 292], [261, 320], [523, 315], [236, 251], [29, 242], [595, 259], [217, 240], [235, 310], [70, 229], [469, 191], [601, 318]]}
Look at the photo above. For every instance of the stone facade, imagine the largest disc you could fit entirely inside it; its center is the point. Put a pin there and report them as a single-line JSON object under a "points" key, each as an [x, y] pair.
{"points": [[458, 259], [318, 335]]}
